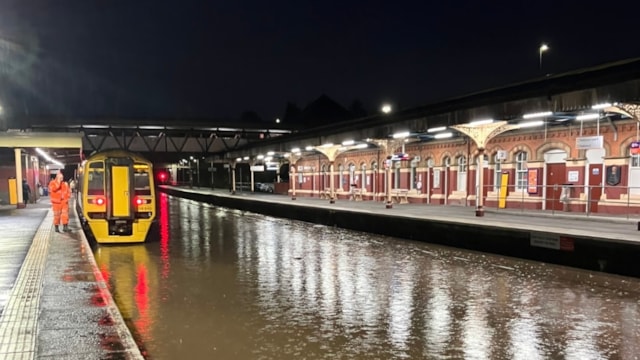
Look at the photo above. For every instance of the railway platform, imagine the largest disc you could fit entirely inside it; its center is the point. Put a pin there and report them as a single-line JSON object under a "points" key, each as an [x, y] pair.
{"points": [[54, 303]]}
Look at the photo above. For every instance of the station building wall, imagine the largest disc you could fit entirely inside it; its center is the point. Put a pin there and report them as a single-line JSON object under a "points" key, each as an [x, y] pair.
{"points": [[543, 168]]}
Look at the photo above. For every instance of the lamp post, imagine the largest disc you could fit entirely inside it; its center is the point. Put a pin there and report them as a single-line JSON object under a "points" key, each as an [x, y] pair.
{"points": [[543, 48]]}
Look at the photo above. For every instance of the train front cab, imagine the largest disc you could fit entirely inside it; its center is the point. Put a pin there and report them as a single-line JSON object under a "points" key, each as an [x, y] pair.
{"points": [[108, 207]]}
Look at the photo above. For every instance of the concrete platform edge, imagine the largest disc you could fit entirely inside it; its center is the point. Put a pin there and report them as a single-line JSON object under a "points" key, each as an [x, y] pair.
{"points": [[123, 331]]}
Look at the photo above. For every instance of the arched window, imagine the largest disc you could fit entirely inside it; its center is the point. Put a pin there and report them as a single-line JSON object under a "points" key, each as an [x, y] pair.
{"points": [[363, 176], [521, 171], [430, 163], [497, 172], [413, 178], [462, 173], [340, 177], [396, 179]]}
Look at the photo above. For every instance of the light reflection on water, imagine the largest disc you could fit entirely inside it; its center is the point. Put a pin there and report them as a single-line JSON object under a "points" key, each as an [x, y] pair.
{"points": [[226, 284]]}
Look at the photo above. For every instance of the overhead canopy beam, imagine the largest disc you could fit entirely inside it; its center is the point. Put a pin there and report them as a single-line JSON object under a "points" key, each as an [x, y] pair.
{"points": [[46, 140]]}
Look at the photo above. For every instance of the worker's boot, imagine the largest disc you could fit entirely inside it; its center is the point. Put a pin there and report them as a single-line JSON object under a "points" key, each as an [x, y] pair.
{"points": [[65, 228], [57, 230]]}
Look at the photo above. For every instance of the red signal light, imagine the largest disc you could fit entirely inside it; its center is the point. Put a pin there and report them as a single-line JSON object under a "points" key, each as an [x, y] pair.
{"points": [[99, 201], [139, 201], [162, 176]]}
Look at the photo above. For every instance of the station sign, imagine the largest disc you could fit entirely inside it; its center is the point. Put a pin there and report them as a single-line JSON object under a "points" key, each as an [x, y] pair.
{"points": [[589, 142], [400, 157], [634, 148]]}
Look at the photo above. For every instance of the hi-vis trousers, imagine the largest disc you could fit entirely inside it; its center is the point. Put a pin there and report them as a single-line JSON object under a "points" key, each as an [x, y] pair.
{"points": [[60, 213]]}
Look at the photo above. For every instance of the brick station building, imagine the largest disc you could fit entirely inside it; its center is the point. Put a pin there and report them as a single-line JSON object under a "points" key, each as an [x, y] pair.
{"points": [[580, 157]]}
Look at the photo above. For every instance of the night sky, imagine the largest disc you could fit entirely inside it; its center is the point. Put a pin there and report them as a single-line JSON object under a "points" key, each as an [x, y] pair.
{"points": [[218, 59]]}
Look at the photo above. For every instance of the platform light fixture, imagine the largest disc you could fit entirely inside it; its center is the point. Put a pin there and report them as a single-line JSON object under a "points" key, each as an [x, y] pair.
{"points": [[271, 153], [260, 157], [309, 148], [481, 122], [601, 106], [295, 150], [48, 158], [245, 158], [527, 124], [537, 115], [584, 117], [327, 145], [386, 108], [238, 159], [436, 129], [348, 142], [443, 135], [401, 135]]}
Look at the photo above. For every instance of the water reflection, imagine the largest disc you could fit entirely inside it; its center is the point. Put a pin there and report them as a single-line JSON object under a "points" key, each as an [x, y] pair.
{"points": [[231, 284]]}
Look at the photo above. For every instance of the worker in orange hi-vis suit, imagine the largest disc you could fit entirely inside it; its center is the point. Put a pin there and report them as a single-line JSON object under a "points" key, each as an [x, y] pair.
{"points": [[59, 193]]}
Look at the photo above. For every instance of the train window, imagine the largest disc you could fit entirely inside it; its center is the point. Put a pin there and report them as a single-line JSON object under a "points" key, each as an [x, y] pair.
{"points": [[141, 183], [95, 184]]}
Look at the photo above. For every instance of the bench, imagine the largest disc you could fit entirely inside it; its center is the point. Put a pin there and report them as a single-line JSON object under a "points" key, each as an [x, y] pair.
{"points": [[356, 194], [400, 195], [325, 194]]}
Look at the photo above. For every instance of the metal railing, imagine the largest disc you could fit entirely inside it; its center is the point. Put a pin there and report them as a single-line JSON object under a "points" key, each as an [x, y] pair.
{"points": [[618, 201]]}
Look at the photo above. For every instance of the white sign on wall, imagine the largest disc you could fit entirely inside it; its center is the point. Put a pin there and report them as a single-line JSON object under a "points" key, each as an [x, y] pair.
{"points": [[589, 142], [436, 178]]}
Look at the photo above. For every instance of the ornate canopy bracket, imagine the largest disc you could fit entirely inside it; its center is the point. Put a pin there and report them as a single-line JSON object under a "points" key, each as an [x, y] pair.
{"points": [[626, 109], [388, 146], [482, 134]]}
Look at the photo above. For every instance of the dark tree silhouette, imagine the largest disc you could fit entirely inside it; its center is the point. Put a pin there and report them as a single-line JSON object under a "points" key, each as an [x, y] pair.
{"points": [[357, 109]]}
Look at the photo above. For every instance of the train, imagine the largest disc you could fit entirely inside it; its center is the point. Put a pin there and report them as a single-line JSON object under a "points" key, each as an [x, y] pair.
{"points": [[116, 198]]}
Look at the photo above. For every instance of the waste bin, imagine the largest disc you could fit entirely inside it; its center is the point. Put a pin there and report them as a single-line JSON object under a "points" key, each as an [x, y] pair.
{"points": [[13, 191]]}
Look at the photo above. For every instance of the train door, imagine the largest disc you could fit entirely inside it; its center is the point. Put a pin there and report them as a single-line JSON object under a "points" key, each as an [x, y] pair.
{"points": [[121, 204]]}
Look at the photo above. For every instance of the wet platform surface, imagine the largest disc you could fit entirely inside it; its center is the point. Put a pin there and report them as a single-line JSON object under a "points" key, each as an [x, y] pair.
{"points": [[53, 302]]}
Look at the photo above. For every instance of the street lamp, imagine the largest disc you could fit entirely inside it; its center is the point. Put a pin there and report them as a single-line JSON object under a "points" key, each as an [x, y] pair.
{"points": [[543, 48], [386, 108]]}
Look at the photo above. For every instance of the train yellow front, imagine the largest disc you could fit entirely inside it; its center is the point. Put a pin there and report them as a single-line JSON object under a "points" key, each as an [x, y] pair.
{"points": [[116, 196]]}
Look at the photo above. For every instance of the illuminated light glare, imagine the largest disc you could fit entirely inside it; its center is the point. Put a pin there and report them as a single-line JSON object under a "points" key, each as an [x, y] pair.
{"points": [[260, 157], [245, 158], [348, 142], [268, 158], [99, 201], [386, 108], [587, 117], [544, 47], [327, 145], [443, 135], [271, 153], [309, 148], [527, 124], [537, 115], [239, 159], [601, 106], [361, 146], [278, 121], [481, 122], [295, 150], [400, 135], [48, 158], [436, 129]]}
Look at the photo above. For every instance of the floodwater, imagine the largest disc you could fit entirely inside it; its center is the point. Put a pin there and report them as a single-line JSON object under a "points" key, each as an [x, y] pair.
{"points": [[226, 284]]}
